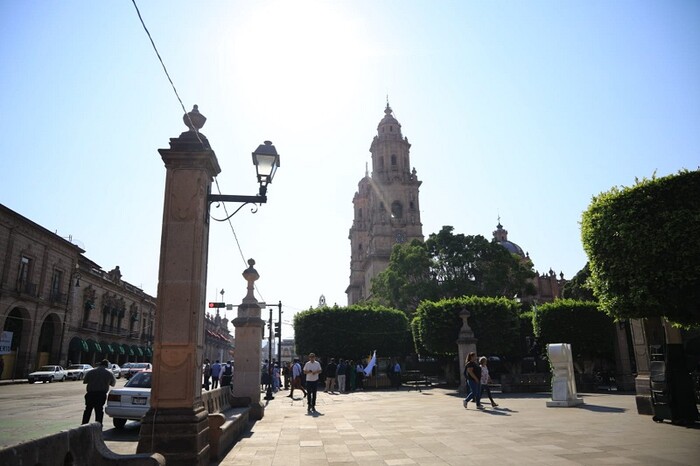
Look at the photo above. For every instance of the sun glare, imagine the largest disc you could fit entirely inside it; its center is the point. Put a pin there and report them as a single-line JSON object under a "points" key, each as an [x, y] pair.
{"points": [[295, 52]]}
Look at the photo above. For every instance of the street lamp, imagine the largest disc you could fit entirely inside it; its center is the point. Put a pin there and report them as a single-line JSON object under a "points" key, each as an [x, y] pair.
{"points": [[266, 161]]}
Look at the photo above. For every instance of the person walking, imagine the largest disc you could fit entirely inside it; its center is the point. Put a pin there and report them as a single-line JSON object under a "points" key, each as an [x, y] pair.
{"points": [[472, 372], [227, 374], [296, 379], [98, 382], [359, 375], [352, 375], [342, 368], [331, 372], [206, 374], [396, 375], [485, 380], [215, 374], [287, 374], [312, 369]]}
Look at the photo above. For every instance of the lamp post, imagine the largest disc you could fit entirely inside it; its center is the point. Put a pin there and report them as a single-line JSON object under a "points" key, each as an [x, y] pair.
{"points": [[268, 393], [266, 161], [176, 424]]}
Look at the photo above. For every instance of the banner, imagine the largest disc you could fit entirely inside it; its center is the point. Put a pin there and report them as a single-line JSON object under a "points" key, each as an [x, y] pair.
{"points": [[372, 363], [6, 343]]}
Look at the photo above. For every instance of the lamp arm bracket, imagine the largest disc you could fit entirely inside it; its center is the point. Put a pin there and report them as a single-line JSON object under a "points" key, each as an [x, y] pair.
{"points": [[245, 200]]}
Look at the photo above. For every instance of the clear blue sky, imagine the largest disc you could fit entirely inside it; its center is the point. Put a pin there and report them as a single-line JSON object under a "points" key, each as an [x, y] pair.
{"points": [[523, 109]]}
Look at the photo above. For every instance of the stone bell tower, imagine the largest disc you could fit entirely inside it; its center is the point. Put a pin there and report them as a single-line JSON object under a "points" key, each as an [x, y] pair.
{"points": [[386, 207]]}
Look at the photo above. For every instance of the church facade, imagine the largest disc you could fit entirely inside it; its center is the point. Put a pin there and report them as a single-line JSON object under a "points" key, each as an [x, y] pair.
{"points": [[386, 207]]}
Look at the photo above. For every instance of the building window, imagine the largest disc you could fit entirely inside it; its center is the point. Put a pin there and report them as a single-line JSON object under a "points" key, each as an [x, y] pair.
{"points": [[359, 213], [25, 273], [411, 205], [393, 160], [381, 162], [396, 209], [56, 280]]}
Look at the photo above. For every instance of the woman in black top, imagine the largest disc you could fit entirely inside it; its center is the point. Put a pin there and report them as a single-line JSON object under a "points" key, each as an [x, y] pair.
{"points": [[472, 372]]}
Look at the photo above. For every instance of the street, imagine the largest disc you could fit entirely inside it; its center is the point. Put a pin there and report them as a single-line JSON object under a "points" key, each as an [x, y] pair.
{"points": [[29, 411]]}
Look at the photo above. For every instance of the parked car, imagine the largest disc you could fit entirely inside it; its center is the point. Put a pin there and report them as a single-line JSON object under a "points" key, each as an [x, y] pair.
{"points": [[138, 367], [116, 370], [125, 369], [47, 374], [130, 402], [77, 371]]}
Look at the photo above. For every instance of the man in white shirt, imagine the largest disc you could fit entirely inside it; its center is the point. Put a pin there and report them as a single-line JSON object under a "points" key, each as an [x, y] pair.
{"points": [[312, 369]]}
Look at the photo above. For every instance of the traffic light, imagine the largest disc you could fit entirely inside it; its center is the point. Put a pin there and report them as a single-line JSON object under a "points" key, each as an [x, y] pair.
{"points": [[216, 305], [278, 329]]}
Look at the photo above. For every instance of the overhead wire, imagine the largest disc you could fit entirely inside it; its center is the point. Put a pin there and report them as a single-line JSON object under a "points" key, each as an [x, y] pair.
{"points": [[196, 132]]}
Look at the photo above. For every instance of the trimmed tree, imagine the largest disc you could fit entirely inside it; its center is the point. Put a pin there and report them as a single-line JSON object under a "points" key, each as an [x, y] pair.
{"points": [[493, 320], [352, 332], [590, 331], [642, 244]]}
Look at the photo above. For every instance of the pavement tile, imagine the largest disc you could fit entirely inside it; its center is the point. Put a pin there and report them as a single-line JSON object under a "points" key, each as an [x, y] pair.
{"points": [[431, 428]]}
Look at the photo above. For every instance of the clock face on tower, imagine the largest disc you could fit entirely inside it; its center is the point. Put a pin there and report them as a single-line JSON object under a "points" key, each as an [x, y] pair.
{"points": [[400, 236]]}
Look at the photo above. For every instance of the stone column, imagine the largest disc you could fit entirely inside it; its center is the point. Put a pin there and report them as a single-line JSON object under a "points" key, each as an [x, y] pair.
{"points": [[177, 424], [642, 360], [248, 335], [623, 375], [466, 343]]}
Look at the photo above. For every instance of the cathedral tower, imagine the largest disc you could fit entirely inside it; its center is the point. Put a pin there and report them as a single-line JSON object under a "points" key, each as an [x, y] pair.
{"points": [[386, 207]]}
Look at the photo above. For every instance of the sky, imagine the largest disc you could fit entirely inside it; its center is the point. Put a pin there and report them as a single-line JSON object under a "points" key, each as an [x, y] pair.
{"points": [[518, 110]]}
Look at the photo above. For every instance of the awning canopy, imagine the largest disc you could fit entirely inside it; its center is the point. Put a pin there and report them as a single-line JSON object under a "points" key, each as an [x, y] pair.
{"points": [[78, 344], [94, 347], [148, 352], [137, 350], [127, 349], [106, 348], [119, 349]]}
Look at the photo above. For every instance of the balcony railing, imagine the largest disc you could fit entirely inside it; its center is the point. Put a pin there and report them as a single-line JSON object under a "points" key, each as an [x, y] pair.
{"points": [[27, 288]]}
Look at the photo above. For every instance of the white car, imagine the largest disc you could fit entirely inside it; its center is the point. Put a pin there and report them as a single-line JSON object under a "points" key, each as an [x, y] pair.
{"points": [[47, 374], [116, 370], [77, 371], [130, 402]]}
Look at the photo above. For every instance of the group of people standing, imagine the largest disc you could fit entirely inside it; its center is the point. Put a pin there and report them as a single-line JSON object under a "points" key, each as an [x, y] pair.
{"points": [[477, 376], [212, 374]]}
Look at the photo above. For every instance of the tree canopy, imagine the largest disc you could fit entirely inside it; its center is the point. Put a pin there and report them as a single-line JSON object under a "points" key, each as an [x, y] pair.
{"points": [[352, 332], [449, 265], [642, 244], [580, 323], [494, 322]]}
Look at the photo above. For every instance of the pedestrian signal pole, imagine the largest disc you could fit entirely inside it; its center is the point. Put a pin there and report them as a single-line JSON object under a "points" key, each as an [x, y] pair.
{"points": [[268, 394], [278, 334]]}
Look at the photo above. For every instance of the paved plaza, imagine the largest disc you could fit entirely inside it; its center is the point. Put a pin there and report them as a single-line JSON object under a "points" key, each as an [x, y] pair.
{"points": [[432, 428]]}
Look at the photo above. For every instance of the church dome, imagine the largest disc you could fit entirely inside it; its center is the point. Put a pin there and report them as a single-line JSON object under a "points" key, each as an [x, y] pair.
{"points": [[501, 237], [389, 122]]}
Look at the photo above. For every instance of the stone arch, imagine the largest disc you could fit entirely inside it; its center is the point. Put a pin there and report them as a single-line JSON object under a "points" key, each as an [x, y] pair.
{"points": [[49, 341], [18, 321]]}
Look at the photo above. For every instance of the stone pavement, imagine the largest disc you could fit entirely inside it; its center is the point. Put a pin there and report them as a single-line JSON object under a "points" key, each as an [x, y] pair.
{"points": [[432, 428]]}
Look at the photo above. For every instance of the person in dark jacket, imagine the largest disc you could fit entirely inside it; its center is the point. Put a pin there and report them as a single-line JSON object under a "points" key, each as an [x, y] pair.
{"points": [[98, 382]]}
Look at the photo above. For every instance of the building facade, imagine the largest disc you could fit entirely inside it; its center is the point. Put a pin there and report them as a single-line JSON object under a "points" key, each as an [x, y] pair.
{"points": [[57, 306], [386, 207], [218, 342], [547, 286]]}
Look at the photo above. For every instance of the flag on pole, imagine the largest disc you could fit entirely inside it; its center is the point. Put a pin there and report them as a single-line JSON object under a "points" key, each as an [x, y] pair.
{"points": [[371, 364]]}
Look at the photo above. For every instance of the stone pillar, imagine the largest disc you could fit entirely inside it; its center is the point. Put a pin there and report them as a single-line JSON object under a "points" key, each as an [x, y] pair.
{"points": [[177, 424], [642, 360], [248, 335], [466, 343], [623, 376]]}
